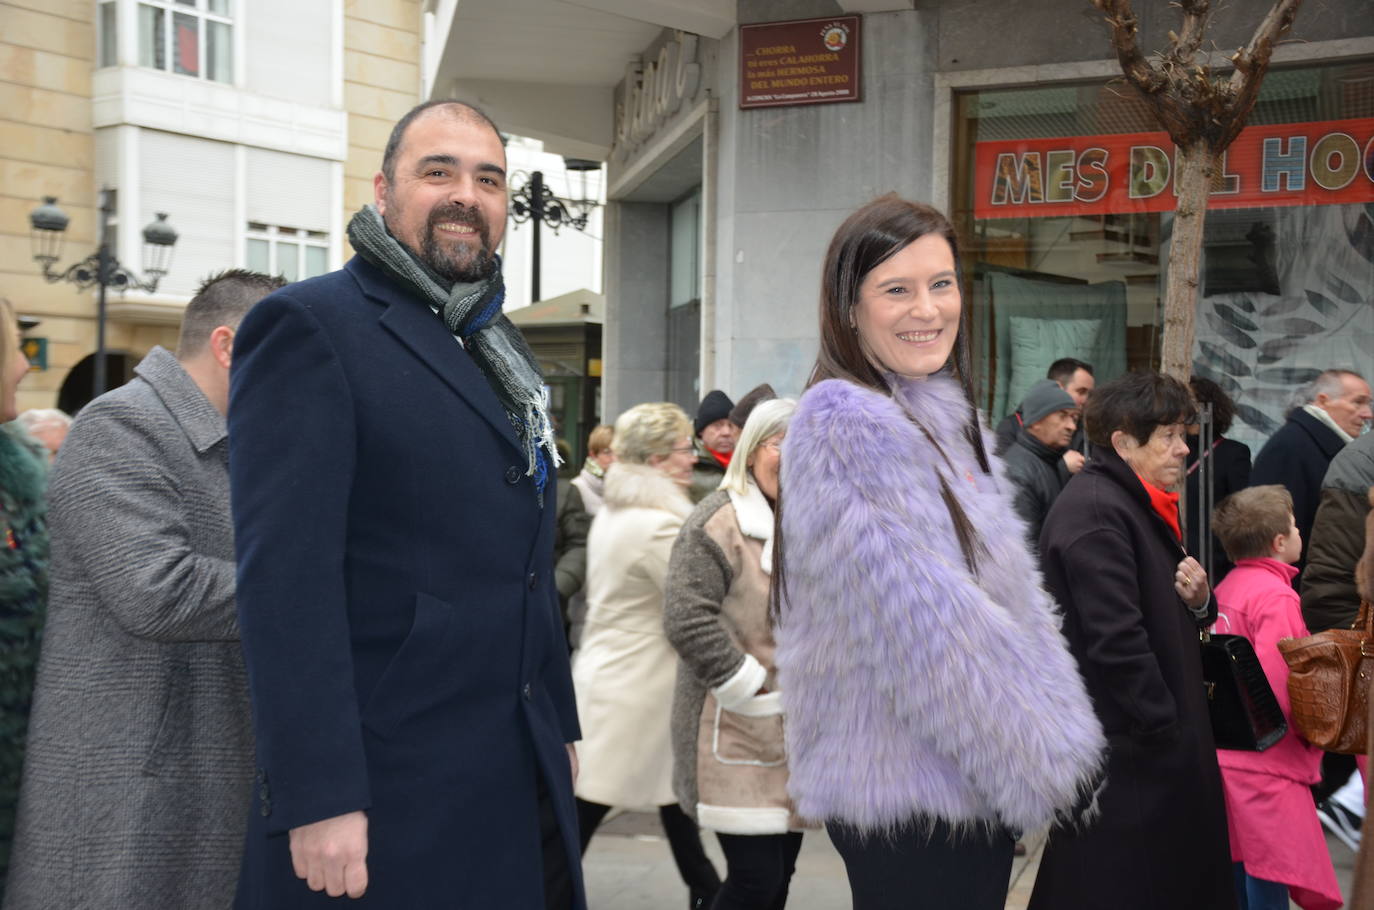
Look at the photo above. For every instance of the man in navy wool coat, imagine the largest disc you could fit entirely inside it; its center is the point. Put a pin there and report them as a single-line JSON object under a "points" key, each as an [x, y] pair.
{"points": [[392, 468]]}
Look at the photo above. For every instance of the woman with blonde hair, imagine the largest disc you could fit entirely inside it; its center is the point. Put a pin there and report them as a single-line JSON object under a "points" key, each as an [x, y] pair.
{"points": [[730, 766], [23, 574], [625, 668]]}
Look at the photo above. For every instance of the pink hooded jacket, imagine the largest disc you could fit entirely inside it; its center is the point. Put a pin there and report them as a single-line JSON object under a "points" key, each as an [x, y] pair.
{"points": [[1274, 827]]}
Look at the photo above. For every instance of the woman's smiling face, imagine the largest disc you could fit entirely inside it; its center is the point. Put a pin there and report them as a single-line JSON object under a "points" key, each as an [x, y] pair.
{"points": [[907, 315]]}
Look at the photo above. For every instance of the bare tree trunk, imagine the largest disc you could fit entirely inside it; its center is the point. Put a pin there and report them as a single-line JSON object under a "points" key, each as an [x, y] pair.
{"points": [[1196, 164]]}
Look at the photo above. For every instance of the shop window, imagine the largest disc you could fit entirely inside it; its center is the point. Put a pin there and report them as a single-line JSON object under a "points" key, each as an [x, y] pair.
{"points": [[1064, 203], [684, 301], [187, 37], [291, 253]]}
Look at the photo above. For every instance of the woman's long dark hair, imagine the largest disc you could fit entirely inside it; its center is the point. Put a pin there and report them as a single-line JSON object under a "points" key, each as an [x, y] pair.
{"points": [[868, 238]]}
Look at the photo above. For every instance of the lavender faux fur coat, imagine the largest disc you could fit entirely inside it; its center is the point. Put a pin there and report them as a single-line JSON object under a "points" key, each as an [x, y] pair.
{"points": [[913, 690]]}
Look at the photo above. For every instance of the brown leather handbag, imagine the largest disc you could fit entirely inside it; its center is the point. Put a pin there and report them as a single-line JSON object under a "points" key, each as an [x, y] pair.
{"points": [[1328, 684]]}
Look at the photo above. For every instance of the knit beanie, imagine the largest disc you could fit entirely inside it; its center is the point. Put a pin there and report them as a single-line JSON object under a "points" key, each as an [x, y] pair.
{"points": [[739, 414], [1043, 399], [715, 406]]}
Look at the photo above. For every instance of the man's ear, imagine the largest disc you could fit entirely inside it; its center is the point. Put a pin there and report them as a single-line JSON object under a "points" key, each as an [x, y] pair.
{"points": [[222, 345], [379, 188]]}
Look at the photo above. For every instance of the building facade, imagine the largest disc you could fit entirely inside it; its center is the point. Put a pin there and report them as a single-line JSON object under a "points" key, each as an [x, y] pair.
{"points": [[719, 214], [256, 126]]}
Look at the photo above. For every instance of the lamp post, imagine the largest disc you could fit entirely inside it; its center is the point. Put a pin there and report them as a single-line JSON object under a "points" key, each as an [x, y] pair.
{"points": [[102, 268], [533, 201]]}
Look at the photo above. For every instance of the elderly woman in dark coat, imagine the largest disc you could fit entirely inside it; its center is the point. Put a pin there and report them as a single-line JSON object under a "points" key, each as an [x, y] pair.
{"points": [[1133, 603]]}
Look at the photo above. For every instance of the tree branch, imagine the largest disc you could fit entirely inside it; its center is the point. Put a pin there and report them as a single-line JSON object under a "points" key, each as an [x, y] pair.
{"points": [[1125, 25], [1252, 61], [1189, 38]]}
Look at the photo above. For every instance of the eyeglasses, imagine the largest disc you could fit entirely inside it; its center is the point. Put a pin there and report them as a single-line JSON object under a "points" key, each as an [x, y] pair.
{"points": [[683, 449], [775, 446]]}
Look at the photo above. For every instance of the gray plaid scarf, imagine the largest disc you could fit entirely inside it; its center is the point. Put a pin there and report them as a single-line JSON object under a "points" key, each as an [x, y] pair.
{"points": [[472, 312]]}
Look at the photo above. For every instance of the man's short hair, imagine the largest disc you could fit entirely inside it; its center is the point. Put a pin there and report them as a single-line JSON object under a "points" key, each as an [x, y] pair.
{"points": [[600, 439], [1247, 522], [393, 143], [1062, 370], [222, 299], [1330, 383], [1136, 404]]}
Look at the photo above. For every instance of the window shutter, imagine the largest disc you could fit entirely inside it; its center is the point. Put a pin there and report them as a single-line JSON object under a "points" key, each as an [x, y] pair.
{"points": [[192, 180], [290, 191]]}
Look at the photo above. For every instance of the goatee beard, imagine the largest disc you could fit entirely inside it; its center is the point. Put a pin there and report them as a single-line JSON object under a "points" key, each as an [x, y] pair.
{"points": [[463, 264]]}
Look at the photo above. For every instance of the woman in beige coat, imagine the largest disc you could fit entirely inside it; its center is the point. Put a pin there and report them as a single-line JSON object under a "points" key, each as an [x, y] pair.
{"points": [[624, 669], [730, 764]]}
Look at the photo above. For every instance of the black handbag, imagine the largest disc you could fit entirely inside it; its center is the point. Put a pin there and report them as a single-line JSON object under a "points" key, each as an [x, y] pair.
{"points": [[1245, 714]]}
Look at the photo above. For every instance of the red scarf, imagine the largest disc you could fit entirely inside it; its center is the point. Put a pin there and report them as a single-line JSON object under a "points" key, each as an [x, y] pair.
{"points": [[725, 459], [1164, 504]]}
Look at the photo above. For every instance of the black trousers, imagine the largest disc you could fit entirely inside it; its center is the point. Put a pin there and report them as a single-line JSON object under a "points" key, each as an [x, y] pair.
{"points": [[913, 869], [758, 870], [684, 839]]}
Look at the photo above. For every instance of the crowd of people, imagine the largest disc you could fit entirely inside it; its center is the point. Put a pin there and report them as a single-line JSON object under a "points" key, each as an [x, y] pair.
{"points": [[318, 621]]}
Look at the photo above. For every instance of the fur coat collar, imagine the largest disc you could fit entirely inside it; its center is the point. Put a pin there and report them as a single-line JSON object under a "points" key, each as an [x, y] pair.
{"points": [[638, 486], [915, 690]]}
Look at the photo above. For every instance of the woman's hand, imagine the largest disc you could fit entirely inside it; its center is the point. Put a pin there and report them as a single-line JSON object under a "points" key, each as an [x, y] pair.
{"points": [[1190, 581]]}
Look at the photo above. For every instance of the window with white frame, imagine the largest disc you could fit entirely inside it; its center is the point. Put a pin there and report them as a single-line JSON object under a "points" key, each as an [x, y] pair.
{"points": [[109, 34], [187, 37], [291, 253]]}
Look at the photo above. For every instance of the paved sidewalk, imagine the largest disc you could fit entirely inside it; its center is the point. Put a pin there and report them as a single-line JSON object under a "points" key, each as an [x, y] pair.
{"points": [[628, 867]]}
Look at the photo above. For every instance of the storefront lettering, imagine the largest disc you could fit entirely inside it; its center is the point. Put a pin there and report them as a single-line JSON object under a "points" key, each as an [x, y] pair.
{"points": [[1290, 164], [655, 91]]}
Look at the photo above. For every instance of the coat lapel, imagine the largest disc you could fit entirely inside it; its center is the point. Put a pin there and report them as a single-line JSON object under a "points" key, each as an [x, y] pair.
{"points": [[417, 328]]}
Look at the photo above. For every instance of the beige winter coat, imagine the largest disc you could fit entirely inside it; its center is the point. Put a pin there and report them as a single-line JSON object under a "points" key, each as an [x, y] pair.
{"points": [[624, 668], [730, 763]]}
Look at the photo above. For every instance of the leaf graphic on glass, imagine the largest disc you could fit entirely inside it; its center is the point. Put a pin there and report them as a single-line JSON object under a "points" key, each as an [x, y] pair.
{"points": [[1256, 418], [1279, 399], [1290, 376], [1201, 368], [1323, 304], [1341, 289], [1242, 302], [1220, 359], [1235, 318], [1281, 307], [1275, 349], [1229, 332], [1362, 236], [1299, 327]]}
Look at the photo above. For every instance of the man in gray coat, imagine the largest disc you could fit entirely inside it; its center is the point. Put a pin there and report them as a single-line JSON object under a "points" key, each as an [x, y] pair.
{"points": [[138, 776]]}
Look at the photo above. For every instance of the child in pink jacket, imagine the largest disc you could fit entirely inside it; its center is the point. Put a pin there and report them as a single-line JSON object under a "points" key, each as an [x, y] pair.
{"points": [[1277, 844]]}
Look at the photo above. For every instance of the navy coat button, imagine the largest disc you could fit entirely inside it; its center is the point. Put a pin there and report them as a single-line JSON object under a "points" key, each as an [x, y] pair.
{"points": [[264, 793], [527, 691], [512, 474], [266, 809], [262, 776], [532, 581]]}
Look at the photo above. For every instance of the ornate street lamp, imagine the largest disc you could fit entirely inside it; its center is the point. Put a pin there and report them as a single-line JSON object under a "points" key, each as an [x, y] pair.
{"points": [[533, 201], [100, 269]]}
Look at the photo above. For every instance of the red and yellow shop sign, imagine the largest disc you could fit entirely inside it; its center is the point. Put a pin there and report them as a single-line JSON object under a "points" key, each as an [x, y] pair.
{"points": [[1284, 164]]}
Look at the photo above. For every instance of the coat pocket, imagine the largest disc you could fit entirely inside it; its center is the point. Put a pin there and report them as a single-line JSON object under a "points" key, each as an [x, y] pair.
{"points": [[752, 734], [421, 674]]}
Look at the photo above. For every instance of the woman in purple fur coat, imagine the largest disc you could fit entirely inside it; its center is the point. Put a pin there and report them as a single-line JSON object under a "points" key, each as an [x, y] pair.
{"points": [[933, 708]]}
